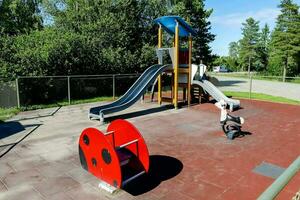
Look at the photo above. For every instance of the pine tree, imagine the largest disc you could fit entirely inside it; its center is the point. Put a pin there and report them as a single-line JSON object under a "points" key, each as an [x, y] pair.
{"points": [[285, 41], [249, 44], [234, 50], [263, 48], [233, 58]]}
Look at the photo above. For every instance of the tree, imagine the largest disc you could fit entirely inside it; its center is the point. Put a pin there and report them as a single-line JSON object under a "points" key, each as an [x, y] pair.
{"points": [[249, 43], [234, 49], [113, 26], [233, 58], [195, 13], [285, 41], [263, 48], [18, 17]]}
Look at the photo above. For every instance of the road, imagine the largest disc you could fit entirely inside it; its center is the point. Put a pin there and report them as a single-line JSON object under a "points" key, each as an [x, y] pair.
{"points": [[287, 90]]}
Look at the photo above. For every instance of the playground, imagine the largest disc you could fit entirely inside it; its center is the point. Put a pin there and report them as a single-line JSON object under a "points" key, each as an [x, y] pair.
{"points": [[190, 156], [163, 145]]}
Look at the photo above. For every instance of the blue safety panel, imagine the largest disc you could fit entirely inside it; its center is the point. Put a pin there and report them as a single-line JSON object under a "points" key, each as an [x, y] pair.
{"points": [[168, 23], [269, 170]]}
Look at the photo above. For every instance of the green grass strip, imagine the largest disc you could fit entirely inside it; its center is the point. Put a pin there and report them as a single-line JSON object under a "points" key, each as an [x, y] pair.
{"points": [[6, 113], [260, 96]]}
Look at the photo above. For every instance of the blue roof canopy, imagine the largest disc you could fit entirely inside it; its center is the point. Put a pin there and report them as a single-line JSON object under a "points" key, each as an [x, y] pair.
{"points": [[168, 23]]}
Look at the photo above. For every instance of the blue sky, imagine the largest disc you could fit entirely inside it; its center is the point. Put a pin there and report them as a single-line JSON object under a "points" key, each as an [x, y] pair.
{"points": [[228, 16]]}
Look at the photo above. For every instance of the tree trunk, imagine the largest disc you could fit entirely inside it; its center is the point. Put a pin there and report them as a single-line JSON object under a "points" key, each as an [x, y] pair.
{"points": [[249, 66], [284, 69], [284, 74]]}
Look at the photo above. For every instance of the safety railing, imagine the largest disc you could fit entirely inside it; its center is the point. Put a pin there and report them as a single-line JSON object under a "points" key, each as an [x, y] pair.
{"points": [[274, 189]]}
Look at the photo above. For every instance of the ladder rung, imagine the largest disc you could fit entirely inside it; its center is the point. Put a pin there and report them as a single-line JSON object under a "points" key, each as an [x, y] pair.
{"points": [[108, 133], [124, 162], [133, 177], [126, 144], [123, 156]]}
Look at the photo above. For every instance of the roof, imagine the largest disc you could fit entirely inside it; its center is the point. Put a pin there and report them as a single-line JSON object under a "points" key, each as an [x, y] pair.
{"points": [[168, 23]]}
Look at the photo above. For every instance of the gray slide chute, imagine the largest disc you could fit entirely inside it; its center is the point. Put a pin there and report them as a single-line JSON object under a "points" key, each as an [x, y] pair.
{"points": [[216, 93], [131, 96], [199, 79]]}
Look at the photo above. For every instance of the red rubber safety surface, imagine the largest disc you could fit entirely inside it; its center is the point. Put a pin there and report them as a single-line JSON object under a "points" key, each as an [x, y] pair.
{"points": [[215, 167], [100, 150]]}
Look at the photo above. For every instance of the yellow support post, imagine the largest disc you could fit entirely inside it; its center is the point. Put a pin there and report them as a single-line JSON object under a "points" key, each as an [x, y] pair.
{"points": [[190, 70], [159, 96], [176, 65]]}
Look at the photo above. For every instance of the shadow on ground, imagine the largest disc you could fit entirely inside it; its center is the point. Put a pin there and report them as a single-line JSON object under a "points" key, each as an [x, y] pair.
{"points": [[161, 168], [140, 113], [229, 83], [243, 134], [10, 128], [37, 116]]}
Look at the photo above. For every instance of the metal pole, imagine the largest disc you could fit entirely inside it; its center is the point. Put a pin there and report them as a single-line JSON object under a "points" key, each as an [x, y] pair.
{"points": [[69, 90], [114, 87], [159, 86], [18, 92], [176, 65], [250, 88], [190, 70], [249, 66], [273, 190]]}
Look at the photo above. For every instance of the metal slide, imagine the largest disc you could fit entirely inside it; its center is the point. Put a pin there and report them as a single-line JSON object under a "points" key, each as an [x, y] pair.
{"points": [[216, 93], [131, 96]]}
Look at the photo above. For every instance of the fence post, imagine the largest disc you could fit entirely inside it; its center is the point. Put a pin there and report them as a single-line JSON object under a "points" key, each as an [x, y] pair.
{"points": [[69, 90], [114, 87], [18, 92], [250, 87]]}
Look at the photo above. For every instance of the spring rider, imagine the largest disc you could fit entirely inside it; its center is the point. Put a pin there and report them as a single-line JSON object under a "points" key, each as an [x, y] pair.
{"points": [[116, 157], [231, 125]]}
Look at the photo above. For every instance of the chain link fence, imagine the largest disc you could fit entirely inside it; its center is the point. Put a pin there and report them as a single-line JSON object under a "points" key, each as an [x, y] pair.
{"points": [[8, 93], [27, 90]]}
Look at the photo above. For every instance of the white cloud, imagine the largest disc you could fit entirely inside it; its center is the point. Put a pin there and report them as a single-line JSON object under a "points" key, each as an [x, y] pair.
{"points": [[235, 20]]}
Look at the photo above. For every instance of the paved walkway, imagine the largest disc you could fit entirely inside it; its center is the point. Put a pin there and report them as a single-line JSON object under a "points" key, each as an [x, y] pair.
{"points": [[287, 90], [190, 157]]}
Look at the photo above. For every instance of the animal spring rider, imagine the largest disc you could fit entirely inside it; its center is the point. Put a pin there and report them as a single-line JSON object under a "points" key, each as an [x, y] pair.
{"points": [[115, 157], [231, 125]]}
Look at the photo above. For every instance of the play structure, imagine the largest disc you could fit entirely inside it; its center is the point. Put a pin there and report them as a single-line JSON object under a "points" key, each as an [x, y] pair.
{"points": [[231, 125], [185, 76], [120, 155], [116, 157]]}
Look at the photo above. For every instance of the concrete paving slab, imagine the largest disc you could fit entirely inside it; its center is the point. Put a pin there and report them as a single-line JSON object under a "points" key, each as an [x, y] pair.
{"points": [[28, 176], [55, 185], [87, 192], [24, 192], [60, 196]]}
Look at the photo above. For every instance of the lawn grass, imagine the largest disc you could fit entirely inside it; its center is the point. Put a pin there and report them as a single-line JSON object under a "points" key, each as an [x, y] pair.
{"points": [[264, 97], [6, 113], [66, 103]]}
